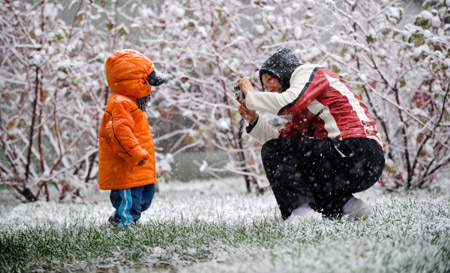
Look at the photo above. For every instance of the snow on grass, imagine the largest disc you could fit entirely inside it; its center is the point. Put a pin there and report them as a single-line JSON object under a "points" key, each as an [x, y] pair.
{"points": [[214, 226]]}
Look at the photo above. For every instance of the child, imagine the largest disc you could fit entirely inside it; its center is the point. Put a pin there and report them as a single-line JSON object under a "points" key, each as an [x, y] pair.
{"points": [[126, 151]]}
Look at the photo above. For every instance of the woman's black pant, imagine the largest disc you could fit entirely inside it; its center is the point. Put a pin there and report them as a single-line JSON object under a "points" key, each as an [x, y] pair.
{"points": [[321, 172]]}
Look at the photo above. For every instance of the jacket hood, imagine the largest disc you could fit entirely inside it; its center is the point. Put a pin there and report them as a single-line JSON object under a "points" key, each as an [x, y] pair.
{"points": [[280, 66], [127, 71]]}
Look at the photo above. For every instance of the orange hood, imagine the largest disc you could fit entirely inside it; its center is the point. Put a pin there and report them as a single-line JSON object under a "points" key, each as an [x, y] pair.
{"points": [[127, 71]]}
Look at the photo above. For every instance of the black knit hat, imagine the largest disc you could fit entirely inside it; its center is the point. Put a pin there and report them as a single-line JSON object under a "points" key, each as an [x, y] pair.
{"points": [[280, 66]]}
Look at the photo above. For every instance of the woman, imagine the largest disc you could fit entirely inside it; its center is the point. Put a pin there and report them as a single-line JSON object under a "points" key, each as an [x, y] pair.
{"points": [[328, 150]]}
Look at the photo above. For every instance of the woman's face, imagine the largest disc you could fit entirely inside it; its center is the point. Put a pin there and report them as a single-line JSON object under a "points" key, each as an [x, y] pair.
{"points": [[271, 84]]}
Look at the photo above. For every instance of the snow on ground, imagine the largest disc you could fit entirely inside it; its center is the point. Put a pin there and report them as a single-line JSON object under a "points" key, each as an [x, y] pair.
{"points": [[408, 232], [206, 200], [224, 199]]}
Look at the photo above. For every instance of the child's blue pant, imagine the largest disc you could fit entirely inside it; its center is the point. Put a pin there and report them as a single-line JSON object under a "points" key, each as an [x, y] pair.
{"points": [[130, 203]]}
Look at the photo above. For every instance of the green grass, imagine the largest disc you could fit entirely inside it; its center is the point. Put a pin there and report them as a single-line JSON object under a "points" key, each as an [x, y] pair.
{"points": [[187, 230]]}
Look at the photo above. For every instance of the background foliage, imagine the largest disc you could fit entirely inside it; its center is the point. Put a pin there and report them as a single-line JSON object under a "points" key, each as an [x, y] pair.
{"points": [[53, 88]]}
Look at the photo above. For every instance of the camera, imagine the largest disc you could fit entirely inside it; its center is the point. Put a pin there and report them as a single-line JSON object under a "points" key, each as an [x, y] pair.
{"points": [[238, 92]]}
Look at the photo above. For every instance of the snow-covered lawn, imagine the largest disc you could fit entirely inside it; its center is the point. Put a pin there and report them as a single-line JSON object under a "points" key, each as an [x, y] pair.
{"points": [[214, 226]]}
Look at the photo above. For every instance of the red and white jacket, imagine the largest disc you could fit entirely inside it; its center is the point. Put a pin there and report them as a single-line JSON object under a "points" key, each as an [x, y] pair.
{"points": [[321, 105]]}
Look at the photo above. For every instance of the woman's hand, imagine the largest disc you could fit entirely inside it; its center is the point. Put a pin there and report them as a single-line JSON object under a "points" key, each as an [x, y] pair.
{"points": [[249, 115], [245, 85]]}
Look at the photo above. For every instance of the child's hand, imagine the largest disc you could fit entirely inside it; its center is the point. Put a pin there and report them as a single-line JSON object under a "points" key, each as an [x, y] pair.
{"points": [[142, 162]]}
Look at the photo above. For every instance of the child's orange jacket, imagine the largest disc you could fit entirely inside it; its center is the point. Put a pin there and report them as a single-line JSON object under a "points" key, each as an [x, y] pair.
{"points": [[125, 138]]}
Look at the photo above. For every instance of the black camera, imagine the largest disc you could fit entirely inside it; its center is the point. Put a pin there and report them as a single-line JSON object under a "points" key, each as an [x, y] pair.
{"points": [[238, 92]]}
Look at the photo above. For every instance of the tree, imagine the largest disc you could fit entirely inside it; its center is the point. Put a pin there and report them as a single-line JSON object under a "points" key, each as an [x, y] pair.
{"points": [[53, 92], [53, 87], [401, 69]]}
